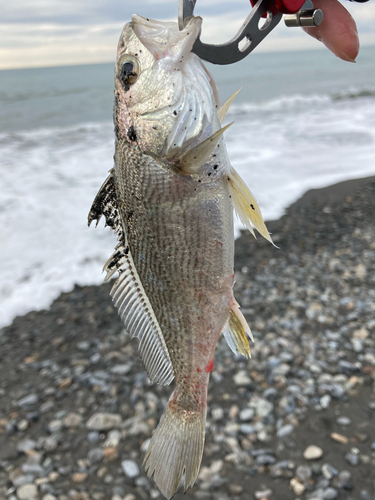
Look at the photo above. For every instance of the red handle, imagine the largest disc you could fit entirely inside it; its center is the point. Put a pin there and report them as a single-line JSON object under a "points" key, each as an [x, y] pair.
{"points": [[284, 6]]}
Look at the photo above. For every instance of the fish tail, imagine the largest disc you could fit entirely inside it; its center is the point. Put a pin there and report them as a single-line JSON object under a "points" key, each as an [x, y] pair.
{"points": [[176, 448]]}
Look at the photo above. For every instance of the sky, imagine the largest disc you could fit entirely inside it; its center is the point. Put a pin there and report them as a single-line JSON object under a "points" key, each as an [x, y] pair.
{"points": [[37, 33]]}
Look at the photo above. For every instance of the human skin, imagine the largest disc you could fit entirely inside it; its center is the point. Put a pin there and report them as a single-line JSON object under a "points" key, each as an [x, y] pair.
{"points": [[338, 30]]}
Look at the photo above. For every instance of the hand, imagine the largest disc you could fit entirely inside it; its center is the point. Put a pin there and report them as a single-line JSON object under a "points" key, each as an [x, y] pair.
{"points": [[338, 30]]}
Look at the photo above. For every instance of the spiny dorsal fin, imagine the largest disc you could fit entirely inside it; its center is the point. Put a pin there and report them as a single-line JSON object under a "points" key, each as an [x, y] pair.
{"points": [[236, 332], [128, 293], [246, 206], [105, 204], [191, 162], [224, 108]]}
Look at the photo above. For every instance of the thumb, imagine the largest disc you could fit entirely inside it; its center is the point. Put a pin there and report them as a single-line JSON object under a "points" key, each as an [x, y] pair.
{"points": [[338, 30]]}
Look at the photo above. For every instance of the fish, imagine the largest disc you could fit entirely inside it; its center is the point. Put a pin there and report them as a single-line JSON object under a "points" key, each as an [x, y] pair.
{"points": [[170, 198]]}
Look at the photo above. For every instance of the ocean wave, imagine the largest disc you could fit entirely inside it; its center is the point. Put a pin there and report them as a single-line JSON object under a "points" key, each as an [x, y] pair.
{"points": [[284, 103], [12, 97], [353, 94]]}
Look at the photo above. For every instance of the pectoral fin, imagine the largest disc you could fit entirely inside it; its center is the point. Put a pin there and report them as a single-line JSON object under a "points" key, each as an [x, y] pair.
{"points": [[246, 206], [191, 162], [224, 108], [236, 332]]}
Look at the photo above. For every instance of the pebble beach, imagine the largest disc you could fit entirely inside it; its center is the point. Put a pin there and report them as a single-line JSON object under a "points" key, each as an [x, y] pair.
{"points": [[296, 421]]}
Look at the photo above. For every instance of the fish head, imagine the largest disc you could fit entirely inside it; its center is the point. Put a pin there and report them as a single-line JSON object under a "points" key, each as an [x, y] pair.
{"points": [[165, 99]]}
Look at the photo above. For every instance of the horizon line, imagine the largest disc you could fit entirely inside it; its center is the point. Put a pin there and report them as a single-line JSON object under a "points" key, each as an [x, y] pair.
{"points": [[264, 50]]}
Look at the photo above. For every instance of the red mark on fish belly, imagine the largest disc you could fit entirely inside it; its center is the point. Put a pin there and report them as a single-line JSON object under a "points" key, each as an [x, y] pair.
{"points": [[199, 370], [210, 366]]}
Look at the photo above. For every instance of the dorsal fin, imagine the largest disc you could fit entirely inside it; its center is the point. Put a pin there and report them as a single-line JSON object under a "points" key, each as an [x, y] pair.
{"points": [[105, 204], [224, 108], [128, 293]]}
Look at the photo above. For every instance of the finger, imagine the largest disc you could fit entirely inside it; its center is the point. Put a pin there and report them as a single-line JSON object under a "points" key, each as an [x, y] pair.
{"points": [[338, 30]]}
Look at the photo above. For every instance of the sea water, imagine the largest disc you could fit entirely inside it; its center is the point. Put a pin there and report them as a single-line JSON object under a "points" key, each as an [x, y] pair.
{"points": [[302, 120]]}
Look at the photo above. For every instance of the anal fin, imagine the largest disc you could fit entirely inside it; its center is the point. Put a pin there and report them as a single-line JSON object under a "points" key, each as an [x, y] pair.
{"points": [[138, 316], [236, 332]]}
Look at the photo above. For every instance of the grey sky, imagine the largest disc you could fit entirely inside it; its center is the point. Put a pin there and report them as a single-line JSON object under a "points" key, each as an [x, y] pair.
{"points": [[56, 32]]}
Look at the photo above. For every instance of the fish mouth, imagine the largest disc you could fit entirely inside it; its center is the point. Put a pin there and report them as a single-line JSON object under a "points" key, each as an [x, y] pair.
{"points": [[164, 39]]}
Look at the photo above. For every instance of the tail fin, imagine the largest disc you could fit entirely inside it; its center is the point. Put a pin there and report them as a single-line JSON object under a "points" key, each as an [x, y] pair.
{"points": [[176, 448]]}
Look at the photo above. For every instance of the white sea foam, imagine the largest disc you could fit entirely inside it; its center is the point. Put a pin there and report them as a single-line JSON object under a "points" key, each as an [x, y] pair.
{"points": [[49, 178], [283, 103]]}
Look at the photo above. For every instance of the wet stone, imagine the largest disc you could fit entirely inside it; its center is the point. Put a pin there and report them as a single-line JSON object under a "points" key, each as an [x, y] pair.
{"points": [[83, 346], [352, 459], [344, 421], [104, 421], [30, 400], [79, 477], [303, 472], [246, 415], [72, 420], [33, 468], [120, 369], [235, 489], [329, 494], [95, 456], [23, 425], [263, 408], [297, 487], [285, 431], [26, 444], [27, 492], [55, 426], [313, 453], [325, 401], [247, 429], [337, 391], [48, 443], [328, 471], [130, 468], [93, 437], [242, 378], [265, 460], [217, 414], [27, 478], [263, 494], [339, 438]]}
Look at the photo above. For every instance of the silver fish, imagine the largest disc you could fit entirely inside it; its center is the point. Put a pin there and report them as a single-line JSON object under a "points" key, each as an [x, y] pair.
{"points": [[170, 199]]}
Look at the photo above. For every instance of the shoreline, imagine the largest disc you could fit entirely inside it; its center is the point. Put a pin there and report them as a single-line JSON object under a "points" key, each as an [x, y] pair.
{"points": [[311, 376]]}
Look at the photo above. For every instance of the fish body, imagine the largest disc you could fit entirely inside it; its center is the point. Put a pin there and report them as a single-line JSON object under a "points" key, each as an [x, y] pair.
{"points": [[170, 199]]}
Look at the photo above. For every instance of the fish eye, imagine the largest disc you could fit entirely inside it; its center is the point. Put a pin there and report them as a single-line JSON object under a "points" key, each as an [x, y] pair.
{"points": [[128, 70]]}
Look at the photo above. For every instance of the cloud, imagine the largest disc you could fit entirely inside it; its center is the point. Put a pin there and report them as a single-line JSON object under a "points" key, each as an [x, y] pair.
{"points": [[53, 33]]}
